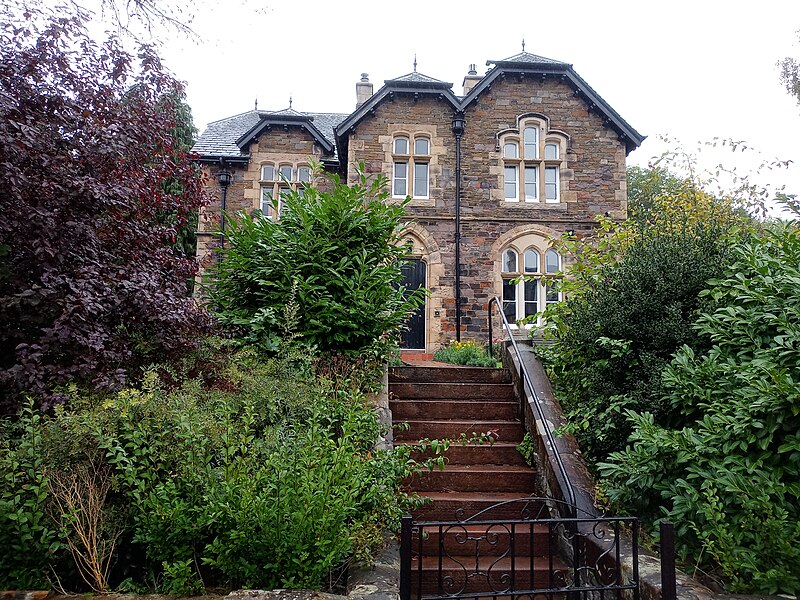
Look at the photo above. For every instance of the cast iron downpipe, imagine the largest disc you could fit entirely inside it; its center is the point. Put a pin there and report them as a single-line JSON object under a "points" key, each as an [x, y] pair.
{"points": [[224, 178], [458, 130]]}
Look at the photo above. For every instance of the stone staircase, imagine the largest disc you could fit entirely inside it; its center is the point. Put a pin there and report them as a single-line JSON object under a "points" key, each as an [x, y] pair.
{"points": [[451, 402]]}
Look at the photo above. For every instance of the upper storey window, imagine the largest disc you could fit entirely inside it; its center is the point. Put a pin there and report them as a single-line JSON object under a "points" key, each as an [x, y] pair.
{"points": [[277, 180], [411, 167], [532, 163]]}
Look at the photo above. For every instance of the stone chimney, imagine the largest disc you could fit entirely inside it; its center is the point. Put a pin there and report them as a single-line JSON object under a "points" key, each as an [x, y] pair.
{"points": [[363, 90], [471, 79]]}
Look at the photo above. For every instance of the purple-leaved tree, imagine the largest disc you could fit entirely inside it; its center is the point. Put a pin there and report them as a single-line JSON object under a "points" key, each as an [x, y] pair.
{"points": [[94, 188]]}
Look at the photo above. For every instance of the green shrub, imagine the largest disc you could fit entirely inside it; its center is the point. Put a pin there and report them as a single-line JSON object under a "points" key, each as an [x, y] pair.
{"points": [[730, 478], [253, 474], [465, 353], [28, 538], [615, 336], [337, 253]]}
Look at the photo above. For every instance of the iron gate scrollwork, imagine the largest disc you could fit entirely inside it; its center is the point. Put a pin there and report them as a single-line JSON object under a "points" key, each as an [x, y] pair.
{"points": [[514, 549]]}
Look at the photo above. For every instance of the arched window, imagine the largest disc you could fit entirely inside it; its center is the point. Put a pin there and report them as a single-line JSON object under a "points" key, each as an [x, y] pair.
{"points": [[527, 292], [535, 175]]}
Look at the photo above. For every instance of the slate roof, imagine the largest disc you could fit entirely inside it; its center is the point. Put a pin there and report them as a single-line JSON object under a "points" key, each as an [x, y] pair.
{"points": [[416, 77], [527, 57], [219, 138]]}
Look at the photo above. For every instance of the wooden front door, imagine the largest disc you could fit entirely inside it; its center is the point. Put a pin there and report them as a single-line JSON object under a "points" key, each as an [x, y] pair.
{"points": [[413, 337]]}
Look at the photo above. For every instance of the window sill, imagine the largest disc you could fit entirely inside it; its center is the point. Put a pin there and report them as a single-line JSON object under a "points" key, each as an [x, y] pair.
{"points": [[535, 205]]}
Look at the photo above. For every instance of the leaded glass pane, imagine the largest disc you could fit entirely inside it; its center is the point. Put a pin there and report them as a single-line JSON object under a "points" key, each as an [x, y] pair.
{"points": [[552, 262], [509, 261], [551, 183], [531, 183], [400, 187], [551, 294], [531, 297], [510, 300], [266, 202]]}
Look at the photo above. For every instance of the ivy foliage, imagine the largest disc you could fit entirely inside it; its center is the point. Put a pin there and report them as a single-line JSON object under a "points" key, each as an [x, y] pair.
{"points": [[336, 250], [730, 477]]}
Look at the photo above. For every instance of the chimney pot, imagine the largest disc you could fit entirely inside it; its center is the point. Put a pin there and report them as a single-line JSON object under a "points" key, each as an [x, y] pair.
{"points": [[471, 79], [363, 90]]}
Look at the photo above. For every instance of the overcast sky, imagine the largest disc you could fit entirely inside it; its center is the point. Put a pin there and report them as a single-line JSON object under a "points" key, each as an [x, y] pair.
{"points": [[692, 70]]}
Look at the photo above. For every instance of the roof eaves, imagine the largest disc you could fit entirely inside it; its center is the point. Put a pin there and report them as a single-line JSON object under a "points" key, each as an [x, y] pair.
{"points": [[272, 120], [632, 138], [388, 91]]}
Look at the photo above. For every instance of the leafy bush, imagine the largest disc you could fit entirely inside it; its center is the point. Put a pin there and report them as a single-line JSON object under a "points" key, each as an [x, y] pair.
{"points": [[95, 189], [252, 474], [337, 252], [633, 290], [730, 479], [466, 353], [615, 338], [27, 536]]}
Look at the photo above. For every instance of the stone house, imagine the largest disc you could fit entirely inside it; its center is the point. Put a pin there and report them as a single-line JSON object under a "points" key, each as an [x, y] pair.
{"points": [[528, 151]]}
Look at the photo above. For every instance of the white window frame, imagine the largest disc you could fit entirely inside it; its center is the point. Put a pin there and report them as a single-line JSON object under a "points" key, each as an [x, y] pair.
{"points": [[537, 164], [269, 208], [277, 185], [395, 179], [524, 276], [411, 159]]}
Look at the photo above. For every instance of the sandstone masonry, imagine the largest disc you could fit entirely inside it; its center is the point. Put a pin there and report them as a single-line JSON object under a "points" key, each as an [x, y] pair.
{"points": [[540, 154]]}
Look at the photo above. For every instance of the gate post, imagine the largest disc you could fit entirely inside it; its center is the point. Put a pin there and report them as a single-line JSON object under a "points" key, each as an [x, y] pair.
{"points": [[668, 585], [405, 558]]}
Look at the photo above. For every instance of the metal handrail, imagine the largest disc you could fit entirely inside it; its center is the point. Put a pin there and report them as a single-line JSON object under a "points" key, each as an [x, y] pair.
{"points": [[537, 404]]}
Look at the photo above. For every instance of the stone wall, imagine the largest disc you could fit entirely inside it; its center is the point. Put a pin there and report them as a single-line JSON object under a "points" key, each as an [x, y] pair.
{"points": [[279, 145], [592, 183]]}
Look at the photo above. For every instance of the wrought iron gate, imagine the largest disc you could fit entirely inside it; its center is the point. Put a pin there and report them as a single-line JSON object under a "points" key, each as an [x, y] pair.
{"points": [[516, 550]]}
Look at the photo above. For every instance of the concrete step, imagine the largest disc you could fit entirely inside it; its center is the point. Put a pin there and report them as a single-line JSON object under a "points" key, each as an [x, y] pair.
{"points": [[446, 409], [528, 539], [500, 430], [499, 453], [449, 506], [451, 390], [476, 478], [455, 374]]}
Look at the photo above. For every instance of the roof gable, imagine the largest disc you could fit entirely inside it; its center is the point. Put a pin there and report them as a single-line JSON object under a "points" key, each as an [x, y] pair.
{"points": [[412, 84], [284, 118], [525, 63], [229, 138]]}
